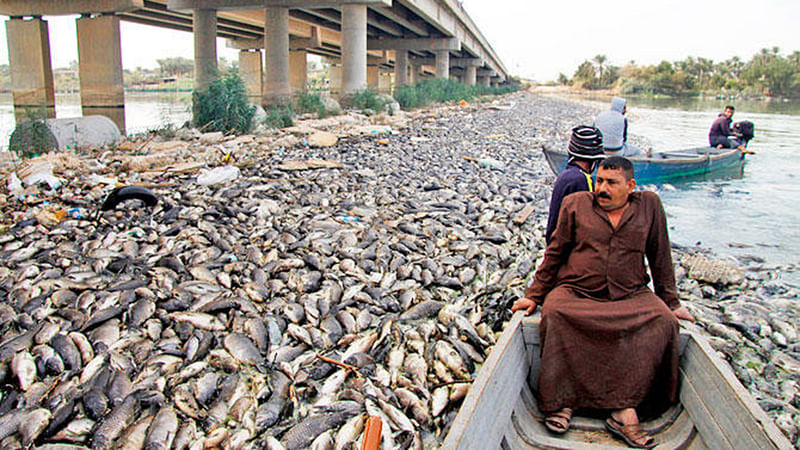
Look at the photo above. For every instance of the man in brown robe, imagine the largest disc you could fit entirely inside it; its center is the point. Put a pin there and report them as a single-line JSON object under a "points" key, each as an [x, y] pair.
{"points": [[608, 342]]}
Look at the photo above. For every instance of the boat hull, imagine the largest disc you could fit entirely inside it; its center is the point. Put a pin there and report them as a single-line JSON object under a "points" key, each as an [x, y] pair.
{"points": [[714, 412], [690, 164]]}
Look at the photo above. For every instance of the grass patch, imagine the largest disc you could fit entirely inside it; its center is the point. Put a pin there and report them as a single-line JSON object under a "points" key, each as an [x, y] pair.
{"points": [[223, 106], [32, 138], [309, 102], [441, 90], [363, 100], [279, 116]]}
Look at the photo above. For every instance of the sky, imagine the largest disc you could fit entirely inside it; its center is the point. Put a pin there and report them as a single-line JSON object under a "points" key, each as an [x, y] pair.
{"points": [[540, 39]]}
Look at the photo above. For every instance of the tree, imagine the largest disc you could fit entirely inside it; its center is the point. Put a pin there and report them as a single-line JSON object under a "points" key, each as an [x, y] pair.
{"points": [[562, 79], [584, 76], [175, 66], [600, 60]]}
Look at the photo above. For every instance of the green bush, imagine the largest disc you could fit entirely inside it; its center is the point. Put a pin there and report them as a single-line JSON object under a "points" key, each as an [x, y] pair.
{"points": [[223, 106], [441, 90], [279, 116], [32, 137], [309, 102], [366, 99]]}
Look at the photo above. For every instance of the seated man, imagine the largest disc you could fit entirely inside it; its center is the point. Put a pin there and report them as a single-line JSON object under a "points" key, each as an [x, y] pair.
{"points": [[721, 135], [608, 342], [614, 126]]}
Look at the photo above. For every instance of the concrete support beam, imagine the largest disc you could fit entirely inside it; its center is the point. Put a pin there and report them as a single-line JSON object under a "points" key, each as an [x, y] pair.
{"points": [[442, 63], [100, 68], [60, 8], [204, 23], [354, 48], [298, 70], [413, 76], [373, 75], [251, 69], [278, 89], [31, 70], [415, 44], [470, 75], [454, 62], [400, 67], [486, 73], [336, 79], [224, 5]]}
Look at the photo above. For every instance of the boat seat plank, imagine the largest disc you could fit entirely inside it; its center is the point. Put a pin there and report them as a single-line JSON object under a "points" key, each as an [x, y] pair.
{"points": [[703, 370]]}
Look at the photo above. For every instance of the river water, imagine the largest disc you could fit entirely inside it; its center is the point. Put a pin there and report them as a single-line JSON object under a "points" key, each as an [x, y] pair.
{"points": [[753, 218]]}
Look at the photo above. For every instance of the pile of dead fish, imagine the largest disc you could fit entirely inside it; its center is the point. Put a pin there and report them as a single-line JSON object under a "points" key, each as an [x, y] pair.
{"points": [[278, 309]]}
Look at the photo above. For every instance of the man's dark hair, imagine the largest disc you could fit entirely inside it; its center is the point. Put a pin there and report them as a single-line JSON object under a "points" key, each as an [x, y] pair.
{"points": [[730, 107], [618, 163]]}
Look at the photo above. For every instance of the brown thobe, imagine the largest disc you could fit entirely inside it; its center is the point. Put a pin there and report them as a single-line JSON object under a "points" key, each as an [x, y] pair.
{"points": [[607, 340]]}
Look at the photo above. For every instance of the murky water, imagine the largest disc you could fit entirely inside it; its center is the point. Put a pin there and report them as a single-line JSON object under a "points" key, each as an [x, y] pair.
{"points": [[752, 217], [755, 216]]}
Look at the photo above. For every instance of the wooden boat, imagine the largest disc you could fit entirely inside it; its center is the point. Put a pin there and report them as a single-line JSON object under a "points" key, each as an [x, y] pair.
{"points": [[670, 166], [714, 412]]}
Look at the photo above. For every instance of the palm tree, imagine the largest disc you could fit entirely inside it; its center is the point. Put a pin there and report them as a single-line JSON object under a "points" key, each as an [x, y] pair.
{"points": [[600, 60]]}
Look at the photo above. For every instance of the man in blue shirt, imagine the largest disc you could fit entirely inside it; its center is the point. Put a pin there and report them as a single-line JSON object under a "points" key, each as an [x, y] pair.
{"points": [[585, 150]]}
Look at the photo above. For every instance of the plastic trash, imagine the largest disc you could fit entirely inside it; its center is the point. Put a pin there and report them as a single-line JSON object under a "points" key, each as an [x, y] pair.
{"points": [[217, 175], [491, 163], [348, 219], [14, 184], [44, 175]]}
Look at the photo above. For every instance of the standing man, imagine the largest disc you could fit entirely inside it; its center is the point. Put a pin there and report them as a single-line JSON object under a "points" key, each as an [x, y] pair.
{"points": [[585, 150], [608, 341], [721, 135], [614, 126]]}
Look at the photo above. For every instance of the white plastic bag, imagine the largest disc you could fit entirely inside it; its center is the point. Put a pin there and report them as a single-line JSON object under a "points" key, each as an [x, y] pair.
{"points": [[14, 184], [217, 175]]}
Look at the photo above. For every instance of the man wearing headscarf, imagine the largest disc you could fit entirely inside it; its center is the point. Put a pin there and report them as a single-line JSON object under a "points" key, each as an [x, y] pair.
{"points": [[614, 126], [585, 149]]}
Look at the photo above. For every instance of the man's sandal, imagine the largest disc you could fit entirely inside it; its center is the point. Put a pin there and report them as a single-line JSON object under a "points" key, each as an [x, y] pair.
{"points": [[558, 422], [633, 435]]}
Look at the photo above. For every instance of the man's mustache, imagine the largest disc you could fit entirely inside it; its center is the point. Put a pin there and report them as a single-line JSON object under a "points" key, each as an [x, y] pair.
{"points": [[604, 195]]}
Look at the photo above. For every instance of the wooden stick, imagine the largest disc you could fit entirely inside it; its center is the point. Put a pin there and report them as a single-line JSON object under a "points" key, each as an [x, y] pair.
{"points": [[339, 363], [523, 215], [372, 434]]}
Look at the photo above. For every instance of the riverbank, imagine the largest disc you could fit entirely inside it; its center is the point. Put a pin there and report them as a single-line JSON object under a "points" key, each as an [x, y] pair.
{"points": [[370, 241]]}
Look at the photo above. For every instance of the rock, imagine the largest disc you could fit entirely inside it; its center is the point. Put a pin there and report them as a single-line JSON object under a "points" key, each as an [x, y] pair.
{"points": [[322, 139], [300, 130], [211, 138], [330, 106], [287, 141]]}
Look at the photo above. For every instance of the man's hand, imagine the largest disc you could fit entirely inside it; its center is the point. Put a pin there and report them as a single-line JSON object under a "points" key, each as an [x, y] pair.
{"points": [[528, 305], [681, 313]]}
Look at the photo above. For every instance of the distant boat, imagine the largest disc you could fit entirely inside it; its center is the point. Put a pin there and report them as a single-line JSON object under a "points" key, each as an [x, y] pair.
{"points": [[714, 410], [672, 165]]}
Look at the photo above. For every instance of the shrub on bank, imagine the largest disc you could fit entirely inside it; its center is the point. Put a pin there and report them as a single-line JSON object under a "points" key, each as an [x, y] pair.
{"points": [[309, 102], [441, 90], [279, 116], [366, 99], [223, 106]]}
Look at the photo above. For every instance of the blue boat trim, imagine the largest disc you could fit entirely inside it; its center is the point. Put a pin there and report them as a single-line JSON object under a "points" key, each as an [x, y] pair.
{"points": [[674, 165]]}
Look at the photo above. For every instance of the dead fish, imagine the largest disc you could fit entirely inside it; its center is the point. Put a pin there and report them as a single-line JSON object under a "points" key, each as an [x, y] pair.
{"points": [[302, 434], [243, 349], [427, 308], [270, 411], [133, 437], [66, 349], [114, 423], [162, 430], [200, 320], [24, 369]]}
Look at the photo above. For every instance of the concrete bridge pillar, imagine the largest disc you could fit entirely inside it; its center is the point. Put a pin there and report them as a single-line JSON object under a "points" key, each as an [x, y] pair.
{"points": [[354, 48], [413, 75], [31, 70], [373, 77], [100, 68], [204, 23], [252, 72], [442, 63], [484, 80], [400, 67], [278, 88], [298, 70], [335, 73], [470, 75]]}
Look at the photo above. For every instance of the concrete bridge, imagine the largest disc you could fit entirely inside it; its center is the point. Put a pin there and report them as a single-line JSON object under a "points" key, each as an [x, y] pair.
{"points": [[369, 43]]}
